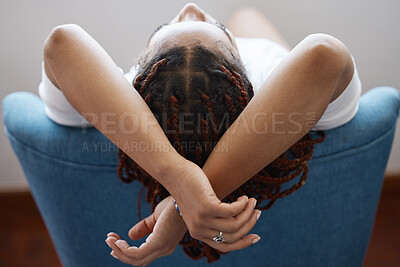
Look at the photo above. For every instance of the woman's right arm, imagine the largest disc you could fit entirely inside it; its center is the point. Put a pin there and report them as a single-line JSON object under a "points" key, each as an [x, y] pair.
{"points": [[96, 88]]}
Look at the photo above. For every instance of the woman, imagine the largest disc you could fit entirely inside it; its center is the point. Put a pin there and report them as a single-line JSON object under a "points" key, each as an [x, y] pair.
{"points": [[195, 66]]}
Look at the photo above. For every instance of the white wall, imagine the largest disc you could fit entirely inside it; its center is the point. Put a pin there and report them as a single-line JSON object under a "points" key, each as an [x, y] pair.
{"points": [[370, 29]]}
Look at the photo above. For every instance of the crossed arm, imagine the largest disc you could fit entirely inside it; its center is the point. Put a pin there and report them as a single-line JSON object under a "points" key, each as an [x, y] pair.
{"points": [[313, 74]]}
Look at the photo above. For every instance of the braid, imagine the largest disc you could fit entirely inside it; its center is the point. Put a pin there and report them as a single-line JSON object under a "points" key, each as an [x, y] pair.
{"points": [[237, 81], [178, 87], [243, 92], [231, 107], [207, 104], [153, 71], [137, 82], [174, 109], [122, 165]]}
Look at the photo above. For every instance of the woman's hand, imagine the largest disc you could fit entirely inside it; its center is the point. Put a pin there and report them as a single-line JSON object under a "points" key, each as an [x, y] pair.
{"points": [[205, 215], [166, 229]]}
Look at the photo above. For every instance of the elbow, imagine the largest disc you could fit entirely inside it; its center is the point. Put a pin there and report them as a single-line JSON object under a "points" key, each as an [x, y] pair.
{"points": [[58, 38], [328, 53]]}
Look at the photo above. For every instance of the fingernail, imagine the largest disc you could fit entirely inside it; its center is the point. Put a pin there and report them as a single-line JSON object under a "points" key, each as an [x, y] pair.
{"points": [[255, 202], [119, 243], [256, 240], [258, 215], [247, 198]]}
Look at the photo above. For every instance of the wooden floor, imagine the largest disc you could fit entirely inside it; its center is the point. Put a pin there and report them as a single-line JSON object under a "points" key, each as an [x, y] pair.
{"points": [[384, 248], [25, 241]]}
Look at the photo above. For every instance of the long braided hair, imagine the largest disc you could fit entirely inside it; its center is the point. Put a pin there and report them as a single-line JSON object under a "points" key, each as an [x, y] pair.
{"points": [[199, 83]]}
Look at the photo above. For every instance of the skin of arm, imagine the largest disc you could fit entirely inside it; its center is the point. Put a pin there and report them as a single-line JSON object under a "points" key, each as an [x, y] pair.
{"points": [[311, 76], [86, 58]]}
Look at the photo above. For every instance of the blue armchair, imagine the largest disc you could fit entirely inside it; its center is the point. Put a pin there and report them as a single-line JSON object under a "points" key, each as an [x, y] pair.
{"points": [[328, 222]]}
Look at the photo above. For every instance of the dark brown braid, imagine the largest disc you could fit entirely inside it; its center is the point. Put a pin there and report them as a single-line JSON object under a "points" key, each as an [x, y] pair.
{"points": [[208, 106], [237, 81], [152, 73], [174, 122], [198, 81]]}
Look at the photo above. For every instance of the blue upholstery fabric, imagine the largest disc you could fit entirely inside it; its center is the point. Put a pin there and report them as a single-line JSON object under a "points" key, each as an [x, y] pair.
{"points": [[328, 222]]}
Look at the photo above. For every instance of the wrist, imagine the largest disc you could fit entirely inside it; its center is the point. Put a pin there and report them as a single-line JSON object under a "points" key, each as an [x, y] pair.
{"points": [[177, 208], [166, 171], [178, 218]]}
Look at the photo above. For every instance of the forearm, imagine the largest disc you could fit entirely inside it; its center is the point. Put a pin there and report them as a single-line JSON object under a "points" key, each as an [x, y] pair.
{"points": [[98, 90], [288, 105]]}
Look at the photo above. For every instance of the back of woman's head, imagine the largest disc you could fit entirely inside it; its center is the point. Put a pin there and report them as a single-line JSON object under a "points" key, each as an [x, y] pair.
{"points": [[196, 94]]}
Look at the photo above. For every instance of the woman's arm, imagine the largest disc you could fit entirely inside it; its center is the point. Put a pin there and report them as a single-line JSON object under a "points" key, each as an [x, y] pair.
{"points": [[98, 90], [287, 106]]}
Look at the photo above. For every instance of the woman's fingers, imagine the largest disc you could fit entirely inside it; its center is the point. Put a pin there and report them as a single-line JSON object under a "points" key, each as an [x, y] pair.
{"points": [[137, 256], [231, 209], [233, 224], [232, 227], [142, 228], [233, 237], [240, 244], [117, 251], [146, 253], [112, 234], [244, 230], [127, 254]]}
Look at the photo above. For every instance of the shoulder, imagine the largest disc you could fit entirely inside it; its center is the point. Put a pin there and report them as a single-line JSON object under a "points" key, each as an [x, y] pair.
{"points": [[259, 50], [259, 45], [259, 56]]}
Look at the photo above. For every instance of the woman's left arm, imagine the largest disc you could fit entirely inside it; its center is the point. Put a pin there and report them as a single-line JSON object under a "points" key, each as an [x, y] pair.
{"points": [[287, 106]]}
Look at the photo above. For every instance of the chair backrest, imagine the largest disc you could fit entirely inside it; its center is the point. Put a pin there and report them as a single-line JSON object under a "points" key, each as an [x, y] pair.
{"points": [[328, 222]]}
